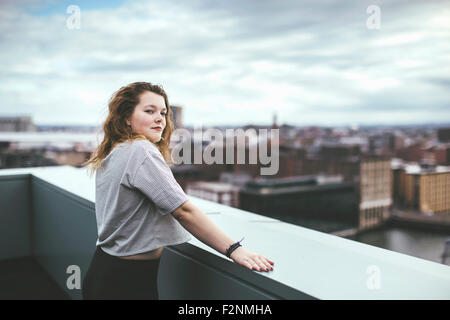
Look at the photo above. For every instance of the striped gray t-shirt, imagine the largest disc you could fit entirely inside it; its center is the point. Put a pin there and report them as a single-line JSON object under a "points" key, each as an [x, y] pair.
{"points": [[135, 192]]}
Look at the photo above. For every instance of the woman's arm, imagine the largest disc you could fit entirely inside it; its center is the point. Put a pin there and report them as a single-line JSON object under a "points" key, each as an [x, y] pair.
{"points": [[204, 229]]}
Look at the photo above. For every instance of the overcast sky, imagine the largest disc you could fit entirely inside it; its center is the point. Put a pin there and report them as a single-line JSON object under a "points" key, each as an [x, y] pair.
{"points": [[230, 62]]}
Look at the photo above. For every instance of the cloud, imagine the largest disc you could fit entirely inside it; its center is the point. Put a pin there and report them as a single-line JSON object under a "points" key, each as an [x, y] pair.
{"points": [[230, 62]]}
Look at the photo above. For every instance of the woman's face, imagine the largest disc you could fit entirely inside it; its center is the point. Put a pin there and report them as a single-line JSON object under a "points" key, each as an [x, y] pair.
{"points": [[148, 114]]}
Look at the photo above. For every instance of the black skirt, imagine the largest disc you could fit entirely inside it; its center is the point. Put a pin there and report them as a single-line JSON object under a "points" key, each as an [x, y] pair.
{"points": [[112, 278]]}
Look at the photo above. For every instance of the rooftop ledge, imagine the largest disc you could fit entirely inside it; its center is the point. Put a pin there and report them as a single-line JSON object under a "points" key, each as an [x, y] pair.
{"points": [[50, 214]]}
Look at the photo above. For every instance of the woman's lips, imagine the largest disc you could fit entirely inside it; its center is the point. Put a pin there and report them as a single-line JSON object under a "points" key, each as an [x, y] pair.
{"points": [[157, 129]]}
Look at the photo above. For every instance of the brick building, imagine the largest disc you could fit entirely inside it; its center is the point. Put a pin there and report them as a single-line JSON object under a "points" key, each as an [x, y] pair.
{"points": [[371, 174]]}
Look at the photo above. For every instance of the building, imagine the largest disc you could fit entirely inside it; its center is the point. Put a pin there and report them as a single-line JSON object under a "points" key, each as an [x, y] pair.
{"points": [[13, 124], [425, 188], [442, 154], [371, 175], [236, 179], [324, 203], [412, 153], [346, 167], [338, 150], [385, 143], [443, 134], [186, 173], [35, 149], [24, 159], [397, 178], [219, 192], [375, 190], [177, 116], [291, 160]]}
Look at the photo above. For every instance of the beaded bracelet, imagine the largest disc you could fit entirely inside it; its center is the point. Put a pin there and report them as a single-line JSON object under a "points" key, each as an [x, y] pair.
{"points": [[233, 247]]}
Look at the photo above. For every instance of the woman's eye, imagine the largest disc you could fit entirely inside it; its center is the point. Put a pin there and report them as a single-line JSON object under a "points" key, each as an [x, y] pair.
{"points": [[163, 113]]}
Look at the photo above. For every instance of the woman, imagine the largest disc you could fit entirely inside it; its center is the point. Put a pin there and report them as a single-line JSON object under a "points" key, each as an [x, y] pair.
{"points": [[140, 208]]}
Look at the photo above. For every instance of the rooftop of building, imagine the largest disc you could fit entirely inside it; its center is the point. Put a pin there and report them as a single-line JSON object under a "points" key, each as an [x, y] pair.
{"points": [[295, 184], [50, 213], [363, 157], [424, 168], [212, 186], [293, 190], [49, 137]]}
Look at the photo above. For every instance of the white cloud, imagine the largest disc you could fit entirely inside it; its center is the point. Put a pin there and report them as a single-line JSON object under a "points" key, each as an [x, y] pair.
{"points": [[399, 39], [229, 64]]}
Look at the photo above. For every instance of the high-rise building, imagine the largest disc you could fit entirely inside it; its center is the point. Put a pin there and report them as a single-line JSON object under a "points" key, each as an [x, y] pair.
{"points": [[375, 190]]}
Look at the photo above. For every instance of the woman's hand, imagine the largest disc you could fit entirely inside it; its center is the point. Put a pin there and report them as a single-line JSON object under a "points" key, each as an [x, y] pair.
{"points": [[250, 260]]}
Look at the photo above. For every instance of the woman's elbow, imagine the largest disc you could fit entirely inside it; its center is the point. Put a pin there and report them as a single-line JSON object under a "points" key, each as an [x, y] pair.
{"points": [[183, 212]]}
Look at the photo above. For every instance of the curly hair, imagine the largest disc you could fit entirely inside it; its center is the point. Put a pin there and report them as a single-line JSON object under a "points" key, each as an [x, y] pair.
{"points": [[121, 106]]}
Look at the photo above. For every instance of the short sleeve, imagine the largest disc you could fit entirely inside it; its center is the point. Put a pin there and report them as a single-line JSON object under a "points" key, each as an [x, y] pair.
{"points": [[155, 179]]}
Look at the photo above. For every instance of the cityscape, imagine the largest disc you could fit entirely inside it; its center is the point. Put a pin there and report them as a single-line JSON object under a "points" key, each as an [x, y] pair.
{"points": [[316, 131], [377, 185]]}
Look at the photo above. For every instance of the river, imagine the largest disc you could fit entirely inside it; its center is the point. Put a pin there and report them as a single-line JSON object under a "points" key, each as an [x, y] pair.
{"points": [[427, 245]]}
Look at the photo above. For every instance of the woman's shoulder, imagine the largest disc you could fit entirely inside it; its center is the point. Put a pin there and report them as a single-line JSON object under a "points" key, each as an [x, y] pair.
{"points": [[146, 146]]}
